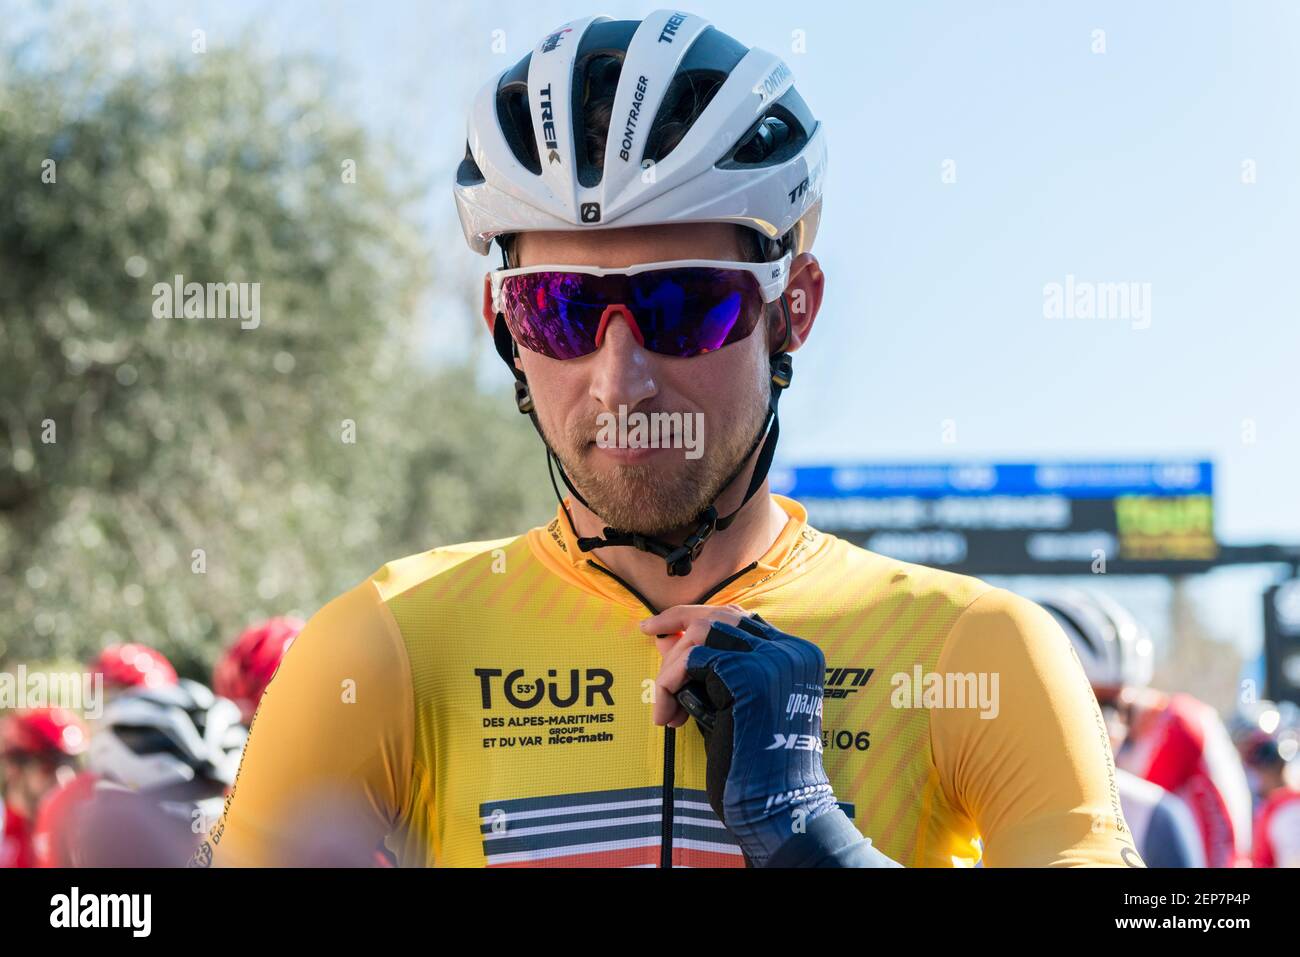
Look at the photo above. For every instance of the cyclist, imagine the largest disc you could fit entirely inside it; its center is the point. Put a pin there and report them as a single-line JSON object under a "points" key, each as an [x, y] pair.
{"points": [[1181, 743], [1276, 833], [1116, 655], [655, 187], [247, 666], [41, 751], [159, 766], [1252, 725]]}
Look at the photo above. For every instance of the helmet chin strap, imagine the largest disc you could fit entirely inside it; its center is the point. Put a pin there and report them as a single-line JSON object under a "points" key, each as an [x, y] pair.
{"points": [[678, 558]]}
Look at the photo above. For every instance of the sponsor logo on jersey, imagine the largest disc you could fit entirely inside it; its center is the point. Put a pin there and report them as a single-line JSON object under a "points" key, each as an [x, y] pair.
{"points": [[553, 40], [522, 691], [634, 114], [842, 682], [794, 742], [554, 529], [670, 28], [548, 125], [802, 795], [808, 706]]}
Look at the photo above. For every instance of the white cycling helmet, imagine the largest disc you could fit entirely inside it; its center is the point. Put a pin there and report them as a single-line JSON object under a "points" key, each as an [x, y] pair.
{"points": [[156, 738], [1115, 649], [700, 129]]}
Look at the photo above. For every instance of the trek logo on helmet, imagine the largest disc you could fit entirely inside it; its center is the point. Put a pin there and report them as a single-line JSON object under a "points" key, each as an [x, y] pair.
{"points": [[548, 125], [670, 28], [553, 40], [590, 212]]}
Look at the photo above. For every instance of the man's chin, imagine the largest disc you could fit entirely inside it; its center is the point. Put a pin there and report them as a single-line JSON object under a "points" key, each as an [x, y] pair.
{"points": [[637, 496]]}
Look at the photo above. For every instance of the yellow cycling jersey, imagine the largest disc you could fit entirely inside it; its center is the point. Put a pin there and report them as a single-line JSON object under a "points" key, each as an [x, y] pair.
{"points": [[489, 704]]}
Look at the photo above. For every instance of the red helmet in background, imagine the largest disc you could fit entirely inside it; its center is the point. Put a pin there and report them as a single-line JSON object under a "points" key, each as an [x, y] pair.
{"points": [[55, 732], [248, 665], [133, 666]]}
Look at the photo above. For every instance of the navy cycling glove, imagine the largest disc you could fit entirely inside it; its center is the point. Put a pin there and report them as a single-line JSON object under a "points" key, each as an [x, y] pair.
{"points": [[764, 774]]}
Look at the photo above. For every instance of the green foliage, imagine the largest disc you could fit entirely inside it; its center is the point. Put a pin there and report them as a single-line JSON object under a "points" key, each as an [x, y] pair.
{"points": [[134, 448]]}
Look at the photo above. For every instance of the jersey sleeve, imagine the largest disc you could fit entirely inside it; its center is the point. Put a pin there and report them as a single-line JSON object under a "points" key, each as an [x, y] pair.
{"points": [[1034, 769], [326, 772]]}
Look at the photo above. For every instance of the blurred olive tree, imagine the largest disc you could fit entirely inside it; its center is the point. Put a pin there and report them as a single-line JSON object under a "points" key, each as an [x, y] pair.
{"points": [[168, 480]]}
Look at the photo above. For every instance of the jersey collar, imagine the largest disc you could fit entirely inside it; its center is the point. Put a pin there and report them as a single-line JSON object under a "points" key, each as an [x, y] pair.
{"points": [[795, 547]]}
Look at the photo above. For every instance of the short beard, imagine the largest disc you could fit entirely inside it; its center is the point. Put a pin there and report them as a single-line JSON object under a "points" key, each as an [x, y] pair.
{"points": [[657, 501]]}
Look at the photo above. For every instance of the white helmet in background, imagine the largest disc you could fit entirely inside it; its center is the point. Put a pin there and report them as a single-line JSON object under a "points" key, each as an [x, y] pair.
{"points": [[700, 128], [1115, 650], [152, 739]]}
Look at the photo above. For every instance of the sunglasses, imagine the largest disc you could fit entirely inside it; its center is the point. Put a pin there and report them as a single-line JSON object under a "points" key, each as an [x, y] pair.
{"points": [[683, 308]]}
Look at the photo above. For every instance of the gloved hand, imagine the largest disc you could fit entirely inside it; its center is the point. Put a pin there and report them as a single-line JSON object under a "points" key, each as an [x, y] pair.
{"points": [[764, 777]]}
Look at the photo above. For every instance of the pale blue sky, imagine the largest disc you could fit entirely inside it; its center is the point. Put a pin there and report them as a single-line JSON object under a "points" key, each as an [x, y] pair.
{"points": [[1119, 166]]}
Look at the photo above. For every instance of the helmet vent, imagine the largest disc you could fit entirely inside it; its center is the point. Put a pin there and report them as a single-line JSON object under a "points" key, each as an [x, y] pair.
{"points": [[687, 96], [780, 134], [468, 173], [517, 126], [592, 116]]}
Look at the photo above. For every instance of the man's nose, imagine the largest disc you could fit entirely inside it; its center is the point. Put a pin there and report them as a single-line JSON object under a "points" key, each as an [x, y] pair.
{"points": [[623, 373]]}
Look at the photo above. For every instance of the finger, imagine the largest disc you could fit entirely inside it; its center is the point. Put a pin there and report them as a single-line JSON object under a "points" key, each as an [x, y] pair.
{"points": [[680, 617], [667, 709], [696, 632], [670, 680], [665, 643]]}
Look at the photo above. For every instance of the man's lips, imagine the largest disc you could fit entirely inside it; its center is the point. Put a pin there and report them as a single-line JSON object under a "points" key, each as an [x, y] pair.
{"points": [[626, 455]]}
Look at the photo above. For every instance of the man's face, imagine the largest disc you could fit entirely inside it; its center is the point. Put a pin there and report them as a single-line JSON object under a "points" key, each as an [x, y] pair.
{"points": [[26, 781], [648, 490]]}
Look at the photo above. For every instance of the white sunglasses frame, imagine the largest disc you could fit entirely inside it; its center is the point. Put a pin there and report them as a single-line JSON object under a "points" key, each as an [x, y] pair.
{"points": [[771, 276]]}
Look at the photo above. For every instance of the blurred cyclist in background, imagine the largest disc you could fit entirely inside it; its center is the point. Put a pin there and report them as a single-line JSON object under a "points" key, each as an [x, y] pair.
{"points": [[1181, 743], [1253, 725], [1268, 751], [160, 763], [247, 666], [1116, 655], [41, 750], [127, 666]]}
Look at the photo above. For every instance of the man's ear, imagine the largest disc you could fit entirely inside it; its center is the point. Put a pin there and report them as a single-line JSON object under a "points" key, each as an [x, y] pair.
{"points": [[803, 298]]}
